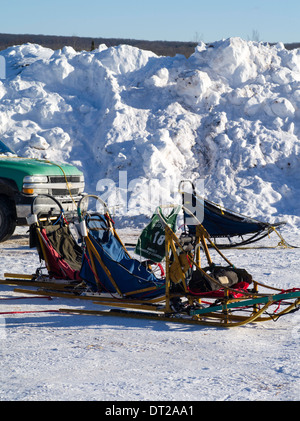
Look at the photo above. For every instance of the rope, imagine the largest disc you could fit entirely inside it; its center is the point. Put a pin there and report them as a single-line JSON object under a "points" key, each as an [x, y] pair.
{"points": [[281, 243], [33, 311], [23, 298]]}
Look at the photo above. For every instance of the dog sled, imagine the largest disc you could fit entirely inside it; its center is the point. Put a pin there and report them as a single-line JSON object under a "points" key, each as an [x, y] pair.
{"points": [[96, 261], [192, 290], [226, 227], [59, 252]]}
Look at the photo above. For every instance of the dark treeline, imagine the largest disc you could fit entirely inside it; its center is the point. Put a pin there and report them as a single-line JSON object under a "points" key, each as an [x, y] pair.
{"points": [[164, 48]]}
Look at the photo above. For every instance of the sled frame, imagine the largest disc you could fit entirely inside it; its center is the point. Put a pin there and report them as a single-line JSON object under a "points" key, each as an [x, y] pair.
{"points": [[230, 312]]}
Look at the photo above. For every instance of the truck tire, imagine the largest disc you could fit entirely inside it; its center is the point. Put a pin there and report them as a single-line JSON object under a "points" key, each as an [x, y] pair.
{"points": [[7, 220]]}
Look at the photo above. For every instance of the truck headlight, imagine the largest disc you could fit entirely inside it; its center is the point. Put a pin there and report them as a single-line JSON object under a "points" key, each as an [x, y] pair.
{"points": [[35, 184], [35, 179]]}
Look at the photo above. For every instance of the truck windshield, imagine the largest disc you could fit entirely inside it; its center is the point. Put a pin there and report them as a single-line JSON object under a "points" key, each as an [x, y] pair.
{"points": [[5, 149]]}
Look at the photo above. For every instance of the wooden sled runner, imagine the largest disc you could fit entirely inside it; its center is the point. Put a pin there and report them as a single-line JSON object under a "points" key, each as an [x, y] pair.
{"points": [[189, 292]]}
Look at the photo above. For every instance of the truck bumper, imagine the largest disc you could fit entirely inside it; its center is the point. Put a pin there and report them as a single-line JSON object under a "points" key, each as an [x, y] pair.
{"points": [[43, 206]]}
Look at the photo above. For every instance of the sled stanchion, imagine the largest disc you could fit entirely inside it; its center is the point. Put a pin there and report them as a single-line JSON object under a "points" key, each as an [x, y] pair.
{"points": [[255, 289], [92, 263], [201, 235], [167, 254], [96, 254]]}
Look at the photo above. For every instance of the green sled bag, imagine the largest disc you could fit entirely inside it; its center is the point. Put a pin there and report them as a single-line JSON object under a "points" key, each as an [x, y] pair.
{"points": [[151, 243]]}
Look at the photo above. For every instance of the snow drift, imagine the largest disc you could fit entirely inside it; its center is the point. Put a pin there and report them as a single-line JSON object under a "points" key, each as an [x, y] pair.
{"points": [[229, 114]]}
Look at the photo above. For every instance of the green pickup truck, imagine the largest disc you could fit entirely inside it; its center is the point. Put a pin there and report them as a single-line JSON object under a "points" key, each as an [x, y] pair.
{"points": [[22, 179]]}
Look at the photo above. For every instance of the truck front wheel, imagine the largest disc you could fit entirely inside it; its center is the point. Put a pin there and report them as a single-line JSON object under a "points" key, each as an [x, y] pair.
{"points": [[7, 220]]}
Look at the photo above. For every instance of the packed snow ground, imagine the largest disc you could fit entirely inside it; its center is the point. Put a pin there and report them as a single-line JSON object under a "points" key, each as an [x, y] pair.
{"points": [[128, 118], [51, 356]]}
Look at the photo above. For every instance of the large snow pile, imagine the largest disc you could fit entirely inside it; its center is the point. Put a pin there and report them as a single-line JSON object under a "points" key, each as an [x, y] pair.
{"points": [[129, 118]]}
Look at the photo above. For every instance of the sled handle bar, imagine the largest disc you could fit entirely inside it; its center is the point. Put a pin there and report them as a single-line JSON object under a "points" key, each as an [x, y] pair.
{"points": [[50, 197], [80, 207]]}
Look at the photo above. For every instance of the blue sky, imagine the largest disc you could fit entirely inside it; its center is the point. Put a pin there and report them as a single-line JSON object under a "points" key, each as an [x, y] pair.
{"points": [[170, 20]]}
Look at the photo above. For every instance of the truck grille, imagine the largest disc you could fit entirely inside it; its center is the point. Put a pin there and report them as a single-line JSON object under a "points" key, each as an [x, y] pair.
{"points": [[57, 185], [61, 179], [64, 192]]}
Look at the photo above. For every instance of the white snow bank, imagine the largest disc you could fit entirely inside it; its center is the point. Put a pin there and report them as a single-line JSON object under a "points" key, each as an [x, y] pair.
{"points": [[230, 113]]}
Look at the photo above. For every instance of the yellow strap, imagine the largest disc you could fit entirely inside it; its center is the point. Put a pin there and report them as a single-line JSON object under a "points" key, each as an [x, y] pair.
{"points": [[106, 270], [281, 243]]}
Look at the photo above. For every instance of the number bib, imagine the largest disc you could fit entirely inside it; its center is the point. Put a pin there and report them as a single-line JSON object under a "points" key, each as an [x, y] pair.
{"points": [[151, 243]]}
